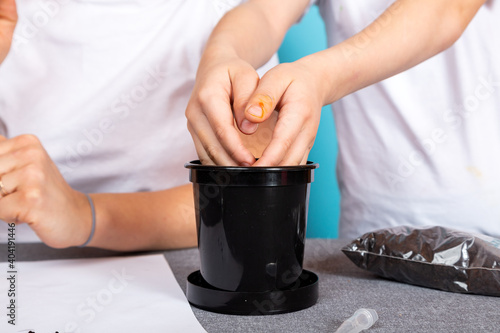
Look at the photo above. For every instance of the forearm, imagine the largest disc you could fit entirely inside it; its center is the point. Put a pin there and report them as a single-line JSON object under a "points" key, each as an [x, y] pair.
{"points": [[409, 32], [254, 30], [145, 220], [8, 19]]}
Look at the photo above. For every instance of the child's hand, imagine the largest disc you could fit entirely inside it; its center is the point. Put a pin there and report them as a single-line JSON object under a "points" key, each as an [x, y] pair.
{"points": [[8, 19], [294, 90], [221, 83]]}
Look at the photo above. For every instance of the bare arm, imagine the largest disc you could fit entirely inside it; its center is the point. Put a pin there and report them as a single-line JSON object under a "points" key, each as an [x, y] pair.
{"points": [[254, 30], [144, 221], [8, 19], [407, 33], [34, 192]]}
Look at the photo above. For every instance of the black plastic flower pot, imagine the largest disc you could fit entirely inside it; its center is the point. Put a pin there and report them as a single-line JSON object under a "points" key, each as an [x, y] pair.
{"points": [[251, 224]]}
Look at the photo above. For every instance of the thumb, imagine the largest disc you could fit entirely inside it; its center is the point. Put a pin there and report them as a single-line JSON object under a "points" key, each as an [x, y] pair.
{"points": [[266, 97], [244, 84]]}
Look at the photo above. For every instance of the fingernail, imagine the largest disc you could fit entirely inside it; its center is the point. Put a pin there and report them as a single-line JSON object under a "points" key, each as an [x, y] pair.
{"points": [[256, 111], [248, 127], [245, 164]]}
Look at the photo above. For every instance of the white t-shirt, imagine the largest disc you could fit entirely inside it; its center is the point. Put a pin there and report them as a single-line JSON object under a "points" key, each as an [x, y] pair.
{"points": [[104, 86], [423, 147]]}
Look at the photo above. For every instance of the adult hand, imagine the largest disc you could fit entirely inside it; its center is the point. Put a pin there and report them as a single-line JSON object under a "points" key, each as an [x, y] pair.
{"points": [[223, 85], [33, 191], [8, 19], [297, 94]]}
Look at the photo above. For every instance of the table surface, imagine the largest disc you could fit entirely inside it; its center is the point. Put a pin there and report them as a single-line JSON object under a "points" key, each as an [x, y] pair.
{"points": [[343, 288]]}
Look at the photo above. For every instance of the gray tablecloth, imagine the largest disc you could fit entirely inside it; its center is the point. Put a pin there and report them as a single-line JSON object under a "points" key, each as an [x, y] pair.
{"points": [[343, 289]]}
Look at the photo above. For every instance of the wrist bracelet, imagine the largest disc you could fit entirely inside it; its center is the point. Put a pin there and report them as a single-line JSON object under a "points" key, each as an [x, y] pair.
{"points": [[93, 220]]}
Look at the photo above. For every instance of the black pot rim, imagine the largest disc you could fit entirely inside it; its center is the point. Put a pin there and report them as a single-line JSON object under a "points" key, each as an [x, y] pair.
{"points": [[196, 164], [222, 176]]}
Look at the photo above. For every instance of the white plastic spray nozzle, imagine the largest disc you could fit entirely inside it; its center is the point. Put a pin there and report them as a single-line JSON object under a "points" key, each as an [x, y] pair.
{"points": [[362, 319]]}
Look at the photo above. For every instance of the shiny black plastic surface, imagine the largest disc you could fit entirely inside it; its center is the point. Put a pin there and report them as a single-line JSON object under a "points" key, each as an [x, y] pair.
{"points": [[251, 224], [298, 296]]}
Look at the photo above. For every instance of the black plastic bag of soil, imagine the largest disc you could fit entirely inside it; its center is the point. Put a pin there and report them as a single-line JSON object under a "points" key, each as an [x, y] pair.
{"points": [[434, 257]]}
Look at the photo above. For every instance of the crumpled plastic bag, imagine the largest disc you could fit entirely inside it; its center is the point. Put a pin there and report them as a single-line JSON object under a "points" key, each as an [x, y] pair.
{"points": [[435, 257]]}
